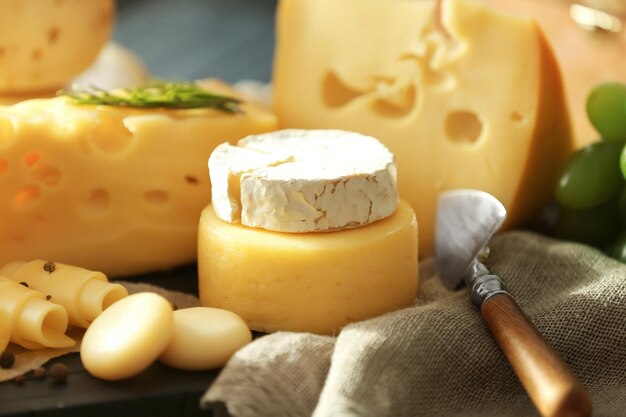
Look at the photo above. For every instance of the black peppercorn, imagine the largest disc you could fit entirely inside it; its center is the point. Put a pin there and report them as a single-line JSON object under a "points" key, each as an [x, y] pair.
{"points": [[39, 373], [7, 359], [58, 373], [49, 267], [48, 297]]}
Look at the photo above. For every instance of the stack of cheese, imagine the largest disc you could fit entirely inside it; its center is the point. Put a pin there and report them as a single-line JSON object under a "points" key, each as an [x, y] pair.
{"points": [[306, 232]]}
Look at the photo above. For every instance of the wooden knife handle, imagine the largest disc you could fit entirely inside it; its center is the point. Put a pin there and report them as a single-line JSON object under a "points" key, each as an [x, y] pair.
{"points": [[550, 384]]}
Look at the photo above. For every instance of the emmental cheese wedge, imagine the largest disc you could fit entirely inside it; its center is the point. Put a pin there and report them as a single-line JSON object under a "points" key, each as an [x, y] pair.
{"points": [[111, 189], [474, 100], [84, 294], [35, 322], [312, 282], [304, 181]]}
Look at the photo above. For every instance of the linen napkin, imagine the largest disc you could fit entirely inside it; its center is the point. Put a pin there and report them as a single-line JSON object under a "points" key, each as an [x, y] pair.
{"points": [[437, 358]]}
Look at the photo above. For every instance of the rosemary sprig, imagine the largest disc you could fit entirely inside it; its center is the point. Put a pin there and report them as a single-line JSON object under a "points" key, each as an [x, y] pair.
{"points": [[171, 95]]}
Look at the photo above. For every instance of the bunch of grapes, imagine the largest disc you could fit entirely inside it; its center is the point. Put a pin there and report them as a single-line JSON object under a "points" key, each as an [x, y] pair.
{"points": [[592, 188]]}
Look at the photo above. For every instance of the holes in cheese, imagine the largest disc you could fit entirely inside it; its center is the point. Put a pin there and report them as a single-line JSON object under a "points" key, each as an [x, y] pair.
{"points": [[111, 137], [315, 282], [156, 198], [304, 181], [463, 126], [92, 185], [83, 293], [480, 77], [26, 197], [47, 43], [96, 202], [35, 322]]}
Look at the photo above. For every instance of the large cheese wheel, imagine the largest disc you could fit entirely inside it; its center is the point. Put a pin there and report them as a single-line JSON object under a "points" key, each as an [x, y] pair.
{"points": [[84, 294], [111, 189], [463, 96], [314, 282], [46, 43]]}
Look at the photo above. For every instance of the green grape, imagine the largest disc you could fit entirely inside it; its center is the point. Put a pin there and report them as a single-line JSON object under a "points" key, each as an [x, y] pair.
{"points": [[617, 249], [622, 162], [591, 177], [595, 227], [606, 107], [622, 206]]}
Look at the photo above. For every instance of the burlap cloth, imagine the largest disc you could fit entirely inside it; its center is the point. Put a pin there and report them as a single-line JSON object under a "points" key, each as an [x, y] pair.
{"points": [[437, 358]]}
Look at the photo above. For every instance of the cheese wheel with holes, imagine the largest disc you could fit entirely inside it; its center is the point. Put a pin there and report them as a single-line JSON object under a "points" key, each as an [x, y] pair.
{"points": [[84, 294], [311, 282], [111, 189], [35, 322], [46, 43], [464, 96]]}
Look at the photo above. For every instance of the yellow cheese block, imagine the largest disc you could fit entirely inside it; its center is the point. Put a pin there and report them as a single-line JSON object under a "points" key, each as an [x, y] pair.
{"points": [[312, 282], [46, 43], [110, 189], [84, 294], [474, 100]]}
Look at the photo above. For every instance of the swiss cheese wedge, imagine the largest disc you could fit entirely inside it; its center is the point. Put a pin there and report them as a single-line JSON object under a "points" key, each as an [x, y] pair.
{"points": [[110, 189], [472, 100]]}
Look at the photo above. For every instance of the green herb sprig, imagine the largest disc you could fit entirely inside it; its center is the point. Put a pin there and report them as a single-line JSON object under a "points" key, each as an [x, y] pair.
{"points": [[170, 95]]}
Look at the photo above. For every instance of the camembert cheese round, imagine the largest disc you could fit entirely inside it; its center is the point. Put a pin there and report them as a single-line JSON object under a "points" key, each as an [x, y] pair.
{"points": [[304, 181]]}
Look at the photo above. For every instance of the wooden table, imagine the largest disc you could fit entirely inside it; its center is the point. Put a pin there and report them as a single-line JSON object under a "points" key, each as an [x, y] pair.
{"points": [[184, 39]]}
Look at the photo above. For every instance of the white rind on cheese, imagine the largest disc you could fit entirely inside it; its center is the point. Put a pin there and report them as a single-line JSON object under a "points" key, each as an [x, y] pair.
{"points": [[319, 180], [227, 163]]}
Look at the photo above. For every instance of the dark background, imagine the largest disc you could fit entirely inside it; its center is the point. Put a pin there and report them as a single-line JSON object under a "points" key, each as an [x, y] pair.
{"points": [[192, 39]]}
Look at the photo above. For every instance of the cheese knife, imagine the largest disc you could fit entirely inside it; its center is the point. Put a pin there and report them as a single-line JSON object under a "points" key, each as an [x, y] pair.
{"points": [[466, 221]]}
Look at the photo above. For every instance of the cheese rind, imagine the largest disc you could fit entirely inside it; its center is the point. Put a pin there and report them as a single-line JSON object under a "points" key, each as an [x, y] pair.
{"points": [[127, 337], [314, 282], [84, 294], [204, 338], [35, 323], [318, 180], [111, 189], [472, 101], [227, 163]]}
